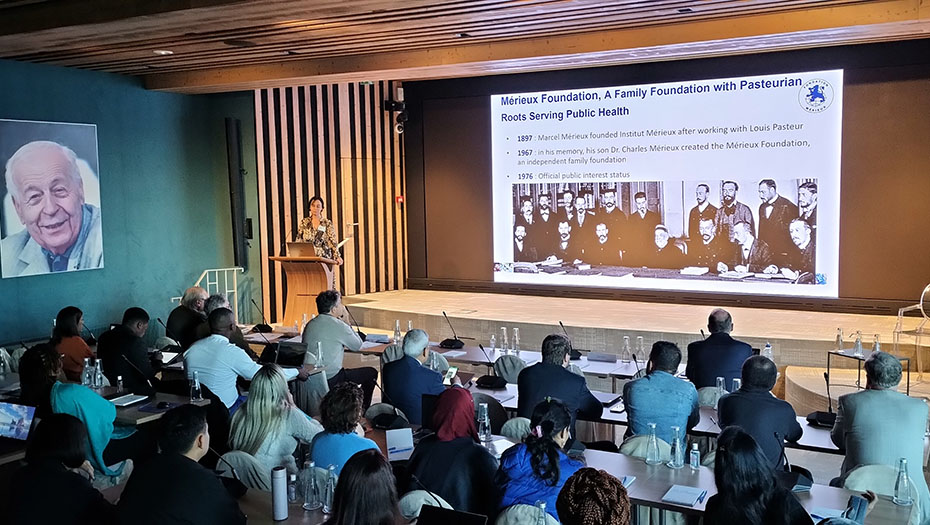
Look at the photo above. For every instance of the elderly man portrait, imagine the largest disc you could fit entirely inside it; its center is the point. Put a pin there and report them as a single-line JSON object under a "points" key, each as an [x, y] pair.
{"points": [[61, 231]]}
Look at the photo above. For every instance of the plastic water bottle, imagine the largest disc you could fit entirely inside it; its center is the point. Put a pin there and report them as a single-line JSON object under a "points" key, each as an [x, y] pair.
{"points": [[676, 458], [541, 513], [515, 341], [292, 488], [902, 486], [196, 394], [397, 339], [877, 345], [98, 374], [86, 377], [311, 489], [694, 458], [857, 346], [626, 353], [737, 384], [119, 383], [409, 325], [330, 490], [721, 389], [767, 351], [839, 339], [492, 342], [652, 447], [484, 423], [503, 340]]}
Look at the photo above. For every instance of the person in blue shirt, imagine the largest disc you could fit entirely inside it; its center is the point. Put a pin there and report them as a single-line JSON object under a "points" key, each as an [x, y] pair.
{"points": [[340, 410], [661, 398], [536, 469], [407, 379]]}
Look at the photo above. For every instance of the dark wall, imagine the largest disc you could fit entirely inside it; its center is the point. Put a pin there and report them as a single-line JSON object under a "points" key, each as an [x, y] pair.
{"points": [[885, 161]]}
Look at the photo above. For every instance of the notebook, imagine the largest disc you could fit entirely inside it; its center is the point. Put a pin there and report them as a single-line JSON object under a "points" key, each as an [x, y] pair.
{"points": [[682, 495], [128, 399], [15, 425]]}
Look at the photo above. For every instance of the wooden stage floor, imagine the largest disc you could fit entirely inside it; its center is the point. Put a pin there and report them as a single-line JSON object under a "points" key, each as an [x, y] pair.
{"points": [[797, 337]]}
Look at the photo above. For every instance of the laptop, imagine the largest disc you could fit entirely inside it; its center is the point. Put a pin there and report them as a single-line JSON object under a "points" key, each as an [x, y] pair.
{"points": [[15, 424], [430, 515]]}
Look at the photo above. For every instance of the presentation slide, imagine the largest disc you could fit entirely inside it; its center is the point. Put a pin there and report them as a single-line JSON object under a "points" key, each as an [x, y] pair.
{"points": [[728, 185]]}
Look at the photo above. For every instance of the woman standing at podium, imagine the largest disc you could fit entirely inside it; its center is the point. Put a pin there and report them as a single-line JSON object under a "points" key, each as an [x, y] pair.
{"points": [[319, 231]]}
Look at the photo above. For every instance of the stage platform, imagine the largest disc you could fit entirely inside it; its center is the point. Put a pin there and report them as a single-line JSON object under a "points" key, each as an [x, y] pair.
{"points": [[798, 338]]}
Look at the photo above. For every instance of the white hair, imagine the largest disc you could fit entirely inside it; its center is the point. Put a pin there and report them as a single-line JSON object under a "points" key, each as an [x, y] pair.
{"points": [[37, 145], [415, 342]]}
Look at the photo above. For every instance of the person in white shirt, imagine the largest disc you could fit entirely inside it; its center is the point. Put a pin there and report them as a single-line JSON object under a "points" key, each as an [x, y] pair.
{"points": [[334, 336], [219, 362]]}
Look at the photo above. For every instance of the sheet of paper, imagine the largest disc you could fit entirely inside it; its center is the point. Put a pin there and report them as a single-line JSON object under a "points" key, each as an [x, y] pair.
{"points": [[370, 344], [682, 495], [399, 443], [453, 353]]}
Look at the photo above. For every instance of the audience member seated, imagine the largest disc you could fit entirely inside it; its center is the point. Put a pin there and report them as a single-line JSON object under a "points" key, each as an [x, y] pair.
{"points": [[340, 410], [879, 425], [551, 378], [185, 320], [218, 362], [536, 469], [661, 398], [769, 420], [366, 493], [746, 490], [452, 463], [109, 446], [125, 354], [67, 340], [268, 424], [237, 338], [56, 468], [334, 335], [406, 379], [593, 497], [717, 356], [174, 488]]}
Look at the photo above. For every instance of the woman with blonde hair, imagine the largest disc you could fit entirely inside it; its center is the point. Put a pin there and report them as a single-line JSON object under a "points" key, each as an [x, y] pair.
{"points": [[268, 424]]}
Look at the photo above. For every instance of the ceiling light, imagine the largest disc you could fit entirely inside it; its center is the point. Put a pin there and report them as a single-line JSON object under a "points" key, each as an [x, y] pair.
{"points": [[163, 52], [463, 35]]}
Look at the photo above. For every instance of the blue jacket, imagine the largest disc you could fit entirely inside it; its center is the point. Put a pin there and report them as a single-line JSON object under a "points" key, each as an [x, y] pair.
{"points": [[405, 382], [519, 484], [663, 399], [717, 356]]}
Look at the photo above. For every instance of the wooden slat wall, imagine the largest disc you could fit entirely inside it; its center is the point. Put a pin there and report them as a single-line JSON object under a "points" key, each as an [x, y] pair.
{"points": [[333, 141]]}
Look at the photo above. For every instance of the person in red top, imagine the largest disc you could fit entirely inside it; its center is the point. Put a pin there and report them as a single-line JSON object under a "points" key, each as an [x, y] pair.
{"points": [[67, 340]]}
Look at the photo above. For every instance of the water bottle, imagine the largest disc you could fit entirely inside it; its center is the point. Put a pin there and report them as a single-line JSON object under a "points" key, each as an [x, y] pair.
{"points": [[86, 378], [652, 447], [541, 513], [694, 459], [431, 360], [857, 346], [721, 390], [515, 341], [839, 339], [877, 345], [303, 323], [330, 490], [292, 488], [492, 342], [98, 374], [318, 361], [397, 339], [737, 384], [676, 457], [484, 423], [119, 383], [902, 486], [640, 351], [767, 351], [196, 394], [311, 489], [626, 352], [503, 340], [3, 365], [409, 325]]}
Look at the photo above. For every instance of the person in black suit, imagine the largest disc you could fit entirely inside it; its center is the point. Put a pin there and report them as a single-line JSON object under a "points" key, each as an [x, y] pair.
{"points": [[807, 203], [708, 250], [605, 249], [762, 415], [612, 216], [666, 254], [125, 354], [568, 206], [568, 248], [749, 254], [775, 213], [522, 251], [717, 356], [186, 491], [641, 225], [584, 222], [802, 257], [550, 378], [545, 225], [703, 211]]}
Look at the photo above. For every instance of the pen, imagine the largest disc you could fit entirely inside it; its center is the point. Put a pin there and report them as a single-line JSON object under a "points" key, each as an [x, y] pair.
{"points": [[701, 497]]}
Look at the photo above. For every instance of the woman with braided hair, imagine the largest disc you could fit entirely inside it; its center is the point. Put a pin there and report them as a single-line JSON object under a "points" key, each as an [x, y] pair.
{"points": [[593, 497], [536, 469]]}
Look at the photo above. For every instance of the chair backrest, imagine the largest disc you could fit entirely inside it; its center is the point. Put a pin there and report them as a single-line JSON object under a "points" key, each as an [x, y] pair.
{"points": [[880, 479], [495, 410], [308, 394], [925, 302], [251, 472], [522, 515], [412, 501], [440, 362], [575, 369], [384, 408], [708, 396], [15, 357], [635, 447], [509, 368], [709, 459], [516, 428], [165, 341], [392, 353]]}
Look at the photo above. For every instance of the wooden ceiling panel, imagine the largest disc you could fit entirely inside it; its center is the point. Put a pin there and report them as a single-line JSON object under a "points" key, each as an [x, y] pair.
{"points": [[218, 38]]}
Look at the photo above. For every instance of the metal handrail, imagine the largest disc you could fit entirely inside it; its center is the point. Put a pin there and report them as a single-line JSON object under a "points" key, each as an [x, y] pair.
{"points": [[212, 275]]}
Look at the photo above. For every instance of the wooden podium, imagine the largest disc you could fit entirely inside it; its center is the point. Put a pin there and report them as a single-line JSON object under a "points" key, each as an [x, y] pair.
{"points": [[306, 278]]}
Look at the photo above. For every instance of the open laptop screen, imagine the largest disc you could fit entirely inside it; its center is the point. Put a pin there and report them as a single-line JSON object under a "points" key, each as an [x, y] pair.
{"points": [[15, 420]]}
